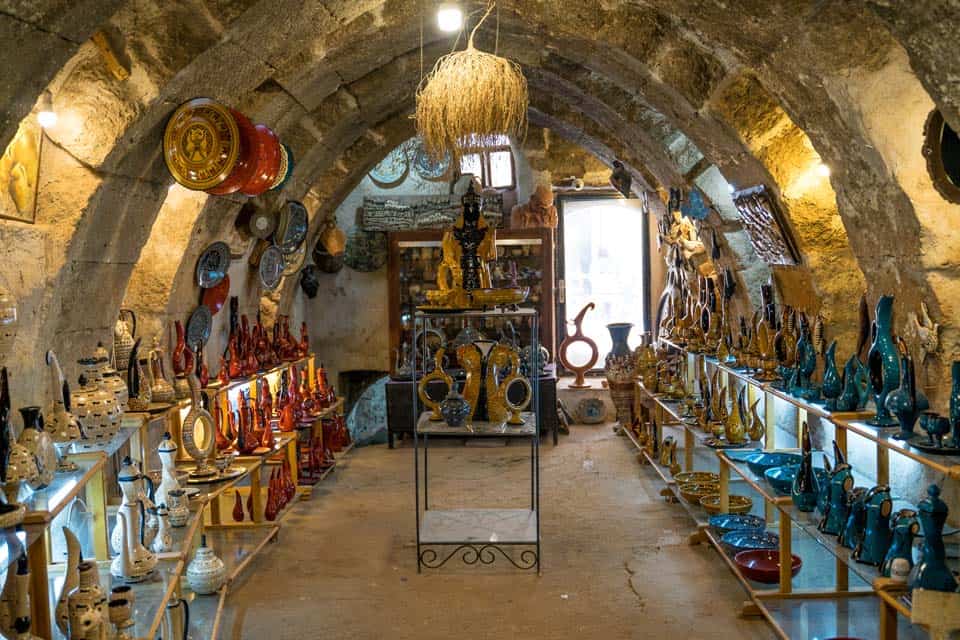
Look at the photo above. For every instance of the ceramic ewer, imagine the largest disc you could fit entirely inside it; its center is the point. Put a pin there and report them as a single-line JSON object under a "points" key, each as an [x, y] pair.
{"points": [[124, 333], [60, 423], [71, 580], [906, 402], [87, 605], [161, 390], [932, 571], [619, 366], [877, 534], [167, 451], [38, 442], [17, 464], [832, 385], [198, 434], [135, 562], [577, 336], [905, 527], [883, 362], [206, 573], [805, 488], [140, 489], [178, 508], [454, 408], [163, 539]]}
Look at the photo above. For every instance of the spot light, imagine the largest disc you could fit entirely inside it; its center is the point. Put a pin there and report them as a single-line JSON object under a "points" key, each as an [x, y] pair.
{"points": [[823, 170], [731, 188], [449, 17], [46, 116]]}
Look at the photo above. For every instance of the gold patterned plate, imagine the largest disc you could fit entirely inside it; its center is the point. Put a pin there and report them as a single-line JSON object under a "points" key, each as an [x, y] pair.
{"points": [[696, 476], [693, 491], [201, 144], [738, 503]]}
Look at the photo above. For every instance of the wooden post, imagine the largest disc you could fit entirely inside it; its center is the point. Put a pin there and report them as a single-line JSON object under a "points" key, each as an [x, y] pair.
{"points": [[39, 586], [724, 486]]}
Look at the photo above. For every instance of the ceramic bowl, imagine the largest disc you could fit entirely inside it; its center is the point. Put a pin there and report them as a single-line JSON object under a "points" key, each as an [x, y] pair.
{"points": [[725, 522], [738, 504], [697, 477], [781, 478], [763, 565], [693, 491], [746, 539], [762, 460]]}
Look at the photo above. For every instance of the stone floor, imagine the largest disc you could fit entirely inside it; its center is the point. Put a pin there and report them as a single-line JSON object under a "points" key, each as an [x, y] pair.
{"points": [[615, 561]]}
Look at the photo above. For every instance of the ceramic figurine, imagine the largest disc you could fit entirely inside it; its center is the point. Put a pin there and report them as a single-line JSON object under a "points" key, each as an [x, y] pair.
{"points": [[935, 426], [906, 402], [877, 534], [21, 605], [71, 579], [955, 404], [163, 539], [167, 451], [856, 386], [454, 408], [178, 508], [38, 442], [905, 526], [932, 571], [61, 424], [883, 362], [206, 573], [806, 364], [852, 532], [805, 485], [107, 377], [123, 338], [141, 490], [134, 561], [832, 385], [87, 605], [840, 482], [161, 391]]}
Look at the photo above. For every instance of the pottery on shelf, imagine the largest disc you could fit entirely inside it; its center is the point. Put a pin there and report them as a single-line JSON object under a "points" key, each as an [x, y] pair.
{"points": [[71, 580], [134, 561], [619, 366], [454, 408], [96, 403], [805, 488], [124, 332], [140, 488], [578, 336], [162, 539], [17, 464], [932, 571], [206, 573], [38, 442], [856, 386], [60, 423], [161, 390], [167, 451], [955, 404], [837, 509], [87, 605], [832, 385], [935, 426], [883, 362], [906, 402], [905, 527], [877, 534], [178, 508], [853, 530]]}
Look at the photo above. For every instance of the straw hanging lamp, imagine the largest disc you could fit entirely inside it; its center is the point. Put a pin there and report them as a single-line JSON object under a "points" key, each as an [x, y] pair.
{"points": [[469, 98]]}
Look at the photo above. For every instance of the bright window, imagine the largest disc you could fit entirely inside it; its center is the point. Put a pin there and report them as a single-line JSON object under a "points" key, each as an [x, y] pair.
{"points": [[604, 262], [493, 164]]}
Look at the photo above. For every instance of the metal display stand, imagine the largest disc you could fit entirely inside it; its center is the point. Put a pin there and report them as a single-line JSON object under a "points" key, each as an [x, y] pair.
{"points": [[477, 536]]}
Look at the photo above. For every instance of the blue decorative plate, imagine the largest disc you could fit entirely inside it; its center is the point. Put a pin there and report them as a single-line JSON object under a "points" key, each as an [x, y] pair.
{"points": [[745, 539], [726, 522], [427, 167], [760, 462], [781, 478], [392, 170]]}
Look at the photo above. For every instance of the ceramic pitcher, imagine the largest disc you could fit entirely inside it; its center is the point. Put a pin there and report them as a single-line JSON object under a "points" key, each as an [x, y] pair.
{"points": [[883, 362]]}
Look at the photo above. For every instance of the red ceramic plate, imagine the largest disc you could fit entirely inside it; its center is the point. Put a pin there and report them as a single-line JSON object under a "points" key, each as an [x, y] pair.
{"points": [[763, 565], [214, 297]]}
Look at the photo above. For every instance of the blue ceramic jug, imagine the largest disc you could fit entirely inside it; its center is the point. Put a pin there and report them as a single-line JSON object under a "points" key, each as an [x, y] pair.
{"points": [[932, 572], [905, 401], [883, 362], [805, 488], [905, 527], [852, 532], [832, 384], [856, 386], [839, 486], [877, 535]]}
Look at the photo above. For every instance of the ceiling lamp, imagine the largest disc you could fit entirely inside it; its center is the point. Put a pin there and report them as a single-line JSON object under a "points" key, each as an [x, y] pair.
{"points": [[470, 98], [46, 116], [449, 17]]}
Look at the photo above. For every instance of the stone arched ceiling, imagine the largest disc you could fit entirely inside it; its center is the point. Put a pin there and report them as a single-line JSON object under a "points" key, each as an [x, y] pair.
{"points": [[676, 88]]}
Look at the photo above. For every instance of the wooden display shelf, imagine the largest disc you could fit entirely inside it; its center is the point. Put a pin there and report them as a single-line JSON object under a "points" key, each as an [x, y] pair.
{"points": [[240, 383]]}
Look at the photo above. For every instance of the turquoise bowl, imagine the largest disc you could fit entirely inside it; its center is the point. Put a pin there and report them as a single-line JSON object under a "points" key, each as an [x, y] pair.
{"points": [[762, 460], [781, 478]]}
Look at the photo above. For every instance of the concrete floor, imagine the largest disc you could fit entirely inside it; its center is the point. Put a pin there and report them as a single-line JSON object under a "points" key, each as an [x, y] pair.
{"points": [[615, 561]]}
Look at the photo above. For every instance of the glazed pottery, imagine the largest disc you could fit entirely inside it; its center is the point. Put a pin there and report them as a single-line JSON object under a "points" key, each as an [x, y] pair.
{"points": [[134, 561], [106, 376], [578, 336], [955, 404], [21, 465], [735, 503], [237, 507], [87, 605], [883, 362], [161, 390], [763, 565], [167, 451], [60, 423], [176, 620], [38, 442], [163, 539], [762, 460], [745, 539], [693, 491], [699, 477], [71, 580], [22, 622], [138, 385], [196, 431], [932, 571], [852, 532], [805, 489], [141, 491], [856, 386], [781, 478], [832, 385], [618, 367], [99, 400], [935, 426], [178, 508], [124, 332], [905, 526], [725, 522], [120, 613], [590, 411], [906, 402], [454, 408], [877, 534], [837, 507]]}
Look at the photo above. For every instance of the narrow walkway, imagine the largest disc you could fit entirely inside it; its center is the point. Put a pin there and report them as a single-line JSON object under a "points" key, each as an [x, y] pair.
{"points": [[615, 561]]}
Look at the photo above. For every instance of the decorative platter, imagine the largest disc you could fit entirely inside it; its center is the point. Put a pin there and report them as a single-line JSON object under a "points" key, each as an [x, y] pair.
{"points": [[201, 144], [392, 170], [293, 261], [428, 168], [198, 326], [781, 478], [726, 522], [738, 503], [213, 264], [291, 227], [217, 476], [262, 223], [760, 461], [271, 267], [745, 539]]}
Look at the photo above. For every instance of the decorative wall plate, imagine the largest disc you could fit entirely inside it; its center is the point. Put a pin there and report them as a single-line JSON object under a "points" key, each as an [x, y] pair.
{"points": [[744, 539], [392, 170], [291, 227], [590, 411], [271, 268], [213, 264], [726, 522], [293, 261], [262, 223], [428, 168], [201, 144], [198, 326]]}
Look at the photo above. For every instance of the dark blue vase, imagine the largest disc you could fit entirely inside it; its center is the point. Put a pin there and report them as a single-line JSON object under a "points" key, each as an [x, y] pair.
{"points": [[905, 527], [932, 571], [832, 384], [805, 488], [838, 487], [883, 362], [852, 532], [955, 404], [876, 533], [905, 401]]}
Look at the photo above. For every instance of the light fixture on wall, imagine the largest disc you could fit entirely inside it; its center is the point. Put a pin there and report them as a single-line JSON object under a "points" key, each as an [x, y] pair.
{"points": [[731, 188], [823, 170], [449, 17], [46, 116]]}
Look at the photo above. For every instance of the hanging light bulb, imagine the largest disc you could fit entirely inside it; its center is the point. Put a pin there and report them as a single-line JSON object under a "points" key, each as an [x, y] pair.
{"points": [[449, 17], [46, 116]]}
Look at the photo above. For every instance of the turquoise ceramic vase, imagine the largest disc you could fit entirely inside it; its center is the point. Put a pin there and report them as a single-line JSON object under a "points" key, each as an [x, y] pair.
{"points": [[883, 362], [877, 534], [905, 527], [832, 384], [805, 488], [905, 401], [932, 572]]}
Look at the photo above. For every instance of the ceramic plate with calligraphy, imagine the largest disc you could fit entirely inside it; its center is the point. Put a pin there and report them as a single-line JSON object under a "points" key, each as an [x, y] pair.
{"points": [[392, 170], [292, 227], [198, 326], [271, 267], [213, 264], [428, 168]]}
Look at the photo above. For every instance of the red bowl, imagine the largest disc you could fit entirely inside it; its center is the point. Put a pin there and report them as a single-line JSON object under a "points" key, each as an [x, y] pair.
{"points": [[763, 565], [267, 163]]}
